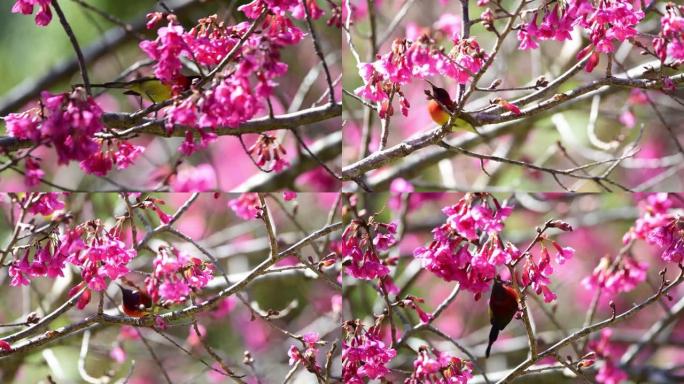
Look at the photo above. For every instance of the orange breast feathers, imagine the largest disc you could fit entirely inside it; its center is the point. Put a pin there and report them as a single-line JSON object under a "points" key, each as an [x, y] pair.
{"points": [[437, 113]]}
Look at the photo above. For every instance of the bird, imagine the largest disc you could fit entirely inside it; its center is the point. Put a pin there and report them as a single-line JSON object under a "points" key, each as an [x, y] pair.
{"points": [[503, 304], [136, 303], [438, 100], [151, 88]]}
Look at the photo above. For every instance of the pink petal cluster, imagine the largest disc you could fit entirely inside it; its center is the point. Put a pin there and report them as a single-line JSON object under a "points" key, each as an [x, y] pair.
{"points": [[609, 373], [281, 7], [623, 277], [246, 206], [536, 273], [408, 60], [25, 7], [100, 255], [67, 122], [605, 22], [101, 162], [175, 273], [364, 354], [306, 357], [439, 368], [46, 204], [451, 256], [660, 226], [670, 41], [289, 195], [361, 245], [46, 263], [238, 96]]}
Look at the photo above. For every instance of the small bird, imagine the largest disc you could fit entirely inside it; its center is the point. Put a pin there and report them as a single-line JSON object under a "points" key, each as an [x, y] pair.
{"points": [[503, 304], [438, 99], [149, 87], [136, 303]]}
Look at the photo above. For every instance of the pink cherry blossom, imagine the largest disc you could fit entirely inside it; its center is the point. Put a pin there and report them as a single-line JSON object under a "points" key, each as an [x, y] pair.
{"points": [[46, 204], [246, 206], [364, 354], [439, 368], [44, 15], [175, 274]]}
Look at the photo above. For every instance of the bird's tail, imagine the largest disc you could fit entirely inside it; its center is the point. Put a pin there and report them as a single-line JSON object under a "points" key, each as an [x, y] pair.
{"points": [[493, 335]]}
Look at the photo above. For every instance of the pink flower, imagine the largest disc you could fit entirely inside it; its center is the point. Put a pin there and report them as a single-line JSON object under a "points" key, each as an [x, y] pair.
{"points": [[528, 33], [624, 277], [450, 254], [364, 354], [167, 50], [103, 255], [306, 357], [609, 373], [126, 154], [441, 368], [289, 195], [33, 172], [44, 15], [246, 206], [46, 204], [175, 273], [360, 254]]}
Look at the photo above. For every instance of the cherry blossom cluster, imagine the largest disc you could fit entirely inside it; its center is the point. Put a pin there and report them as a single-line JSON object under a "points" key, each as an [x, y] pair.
{"points": [[100, 254], [609, 372], [468, 248], [420, 59], [364, 354], [68, 122], [25, 7], [306, 357], [617, 276], [361, 245], [453, 254], [175, 274], [605, 22], [439, 368], [238, 94], [246, 206], [660, 224], [670, 41]]}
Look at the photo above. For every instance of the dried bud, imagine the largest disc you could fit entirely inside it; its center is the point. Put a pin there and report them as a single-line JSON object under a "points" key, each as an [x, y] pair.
{"points": [[563, 226]]}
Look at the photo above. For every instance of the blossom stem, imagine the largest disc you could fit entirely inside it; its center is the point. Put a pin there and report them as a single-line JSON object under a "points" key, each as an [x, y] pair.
{"points": [[74, 43]]}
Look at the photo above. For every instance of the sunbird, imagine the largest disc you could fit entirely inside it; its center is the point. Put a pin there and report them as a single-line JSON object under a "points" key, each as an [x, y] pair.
{"points": [[439, 98], [136, 303], [503, 304], [150, 88]]}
